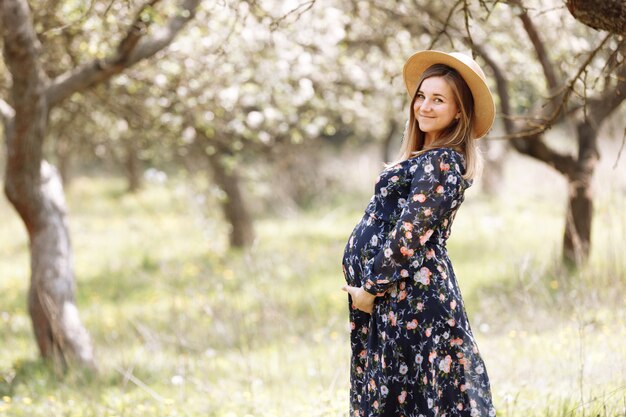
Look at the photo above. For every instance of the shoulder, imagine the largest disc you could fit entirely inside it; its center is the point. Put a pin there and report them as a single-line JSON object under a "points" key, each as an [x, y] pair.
{"points": [[443, 153], [444, 165], [440, 156]]}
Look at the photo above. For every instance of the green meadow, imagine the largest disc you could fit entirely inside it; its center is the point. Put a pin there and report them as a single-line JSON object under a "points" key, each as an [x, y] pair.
{"points": [[183, 326]]}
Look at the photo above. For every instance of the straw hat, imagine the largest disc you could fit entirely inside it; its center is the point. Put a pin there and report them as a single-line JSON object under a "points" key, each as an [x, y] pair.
{"points": [[484, 107]]}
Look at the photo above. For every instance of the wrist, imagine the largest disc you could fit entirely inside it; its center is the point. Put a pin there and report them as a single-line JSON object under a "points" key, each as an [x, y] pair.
{"points": [[370, 290]]}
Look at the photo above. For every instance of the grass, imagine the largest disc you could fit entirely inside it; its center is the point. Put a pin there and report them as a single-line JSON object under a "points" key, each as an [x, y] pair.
{"points": [[185, 327]]}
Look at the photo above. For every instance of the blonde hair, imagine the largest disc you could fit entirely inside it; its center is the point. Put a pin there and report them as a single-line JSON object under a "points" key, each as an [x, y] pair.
{"points": [[457, 135]]}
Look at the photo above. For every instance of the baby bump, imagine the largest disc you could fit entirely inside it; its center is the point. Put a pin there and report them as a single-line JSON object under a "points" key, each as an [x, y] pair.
{"points": [[364, 242]]}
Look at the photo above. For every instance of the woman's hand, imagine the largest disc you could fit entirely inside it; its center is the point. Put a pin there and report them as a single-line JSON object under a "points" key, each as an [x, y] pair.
{"points": [[361, 299]]}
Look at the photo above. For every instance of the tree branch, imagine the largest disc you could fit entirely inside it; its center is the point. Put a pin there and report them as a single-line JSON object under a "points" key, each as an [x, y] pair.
{"points": [[558, 101], [414, 25], [134, 34], [612, 96], [502, 86], [467, 16], [534, 145], [135, 47], [445, 24], [552, 80]]}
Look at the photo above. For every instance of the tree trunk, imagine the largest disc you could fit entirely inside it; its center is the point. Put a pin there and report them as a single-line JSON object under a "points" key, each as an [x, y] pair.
{"points": [[577, 236], [133, 166], [51, 304], [609, 15], [233, 204], [63, 153], [493, 171], [391, 135], [35, 190]]}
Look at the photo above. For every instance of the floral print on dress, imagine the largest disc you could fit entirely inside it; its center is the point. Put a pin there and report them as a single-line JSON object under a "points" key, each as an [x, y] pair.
{"points": [[415, 355]]}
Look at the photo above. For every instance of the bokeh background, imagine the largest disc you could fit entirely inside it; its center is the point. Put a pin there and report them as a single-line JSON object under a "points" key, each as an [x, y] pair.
{"points": [[209, 188]]}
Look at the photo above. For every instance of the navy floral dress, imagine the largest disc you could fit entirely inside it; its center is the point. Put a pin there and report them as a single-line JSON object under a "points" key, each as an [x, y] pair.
{"points": [[415, 355]]}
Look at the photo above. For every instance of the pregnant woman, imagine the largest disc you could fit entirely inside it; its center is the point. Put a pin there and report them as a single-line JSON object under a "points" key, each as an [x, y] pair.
{"points": [[413, 352]]}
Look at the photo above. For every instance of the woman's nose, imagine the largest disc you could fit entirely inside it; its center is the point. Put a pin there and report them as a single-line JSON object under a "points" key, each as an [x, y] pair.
{"points": [[426, 105]]}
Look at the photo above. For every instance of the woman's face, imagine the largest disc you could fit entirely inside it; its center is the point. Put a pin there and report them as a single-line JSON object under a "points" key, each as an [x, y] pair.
{"points": [[434, 106]]}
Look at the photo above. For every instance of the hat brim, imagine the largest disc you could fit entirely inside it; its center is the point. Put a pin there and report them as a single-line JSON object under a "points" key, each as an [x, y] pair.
{"points": [[484, 106]]}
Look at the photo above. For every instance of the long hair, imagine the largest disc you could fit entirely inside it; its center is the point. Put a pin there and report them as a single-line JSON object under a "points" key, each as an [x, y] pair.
{"points": [[457, 135]]}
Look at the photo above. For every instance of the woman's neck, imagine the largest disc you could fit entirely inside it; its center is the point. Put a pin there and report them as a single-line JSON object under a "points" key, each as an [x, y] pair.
{"points": [[429, 139]]}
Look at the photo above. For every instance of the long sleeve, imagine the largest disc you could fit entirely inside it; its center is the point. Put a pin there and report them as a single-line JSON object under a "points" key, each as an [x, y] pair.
{"points": [[434, 188]]}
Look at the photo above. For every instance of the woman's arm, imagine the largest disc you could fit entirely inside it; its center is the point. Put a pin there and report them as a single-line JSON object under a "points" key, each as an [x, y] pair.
{"points": [[433, 194]]}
